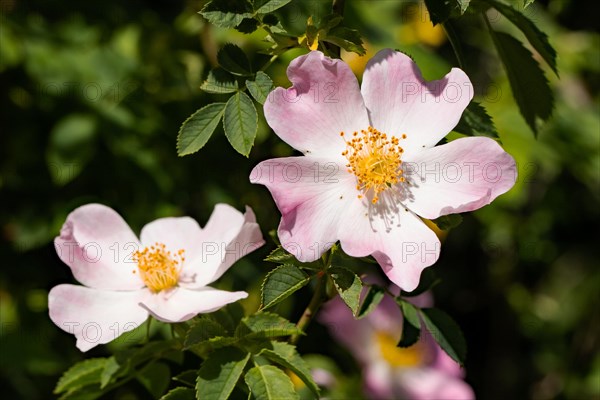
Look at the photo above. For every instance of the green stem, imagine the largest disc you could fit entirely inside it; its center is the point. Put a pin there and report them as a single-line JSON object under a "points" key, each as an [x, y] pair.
{"points": [[309, 313]]}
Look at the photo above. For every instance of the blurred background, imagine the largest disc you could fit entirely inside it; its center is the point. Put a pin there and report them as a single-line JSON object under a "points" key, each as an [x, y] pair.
{"points": [[93, 95]]}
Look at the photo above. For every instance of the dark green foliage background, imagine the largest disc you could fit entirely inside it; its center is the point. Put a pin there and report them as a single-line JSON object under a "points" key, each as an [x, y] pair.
{"points": [[93, 95]]}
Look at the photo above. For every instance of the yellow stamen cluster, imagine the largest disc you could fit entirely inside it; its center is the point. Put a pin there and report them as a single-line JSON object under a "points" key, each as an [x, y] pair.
{"points": [[398, 356], [375, 160], [159, 268]]}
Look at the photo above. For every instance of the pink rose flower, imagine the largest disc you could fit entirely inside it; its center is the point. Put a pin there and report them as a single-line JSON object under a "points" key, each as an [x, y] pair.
{"points": [[420, 372], [164, 274], [370, 166]]}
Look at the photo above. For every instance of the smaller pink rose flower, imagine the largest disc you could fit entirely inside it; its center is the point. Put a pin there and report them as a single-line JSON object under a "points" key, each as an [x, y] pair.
{"points": [[164, 274], [421, 372]]}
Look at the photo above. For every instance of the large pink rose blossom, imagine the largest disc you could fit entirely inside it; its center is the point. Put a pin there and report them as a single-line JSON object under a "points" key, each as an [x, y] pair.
{"points": [[164, 274], [370, 166], [420, 372]]}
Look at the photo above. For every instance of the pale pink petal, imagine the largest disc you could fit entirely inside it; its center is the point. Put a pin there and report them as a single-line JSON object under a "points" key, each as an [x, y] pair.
{"points": [[400, 101], [95, 316], [228, 236], [313, 195], [181, 304], [378, 381], [97, 244], [444, 363], [463, 175], [324, 100], [175, 233], [403, 247], [431, 384]]}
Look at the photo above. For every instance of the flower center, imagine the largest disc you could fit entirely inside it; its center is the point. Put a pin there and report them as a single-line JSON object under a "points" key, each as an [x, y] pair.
{"points": [[398, 356], [375, 160], [159, 268]]}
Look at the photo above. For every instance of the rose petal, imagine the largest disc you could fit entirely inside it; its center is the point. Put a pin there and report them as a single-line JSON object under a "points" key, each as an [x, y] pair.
{"points": [[94, 316], [312, 194], [227, 236], [324, 100], [175, 233], [429, 383], [181, 304], [463, 175], [96, 243], [403, 247], [400, 101]]}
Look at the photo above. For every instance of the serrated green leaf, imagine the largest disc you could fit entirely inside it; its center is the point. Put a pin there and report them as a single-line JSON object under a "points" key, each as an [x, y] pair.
{"points": [[348, 285], [240, 123], [247, 26], [463, 5], [527, 3], [229, 316], [198, 128], [180, 393], [264, 325], [475, 121], [410, 335], [537, 38], [268, 6], [81, 374], [409, 312], [280, 283], [226, 13], [372, 299], [260, 87], [233, 59], [439, 10], [219, 81], [280, 255], [286, 356], [110, 370], [220, 372], [203, 330], [346, 38], [446, 333], [89, 392], [188, 377], [527, 80], [155, 377], [267, 382]]}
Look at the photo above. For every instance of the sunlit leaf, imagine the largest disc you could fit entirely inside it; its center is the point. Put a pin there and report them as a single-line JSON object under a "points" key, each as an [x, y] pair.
{"points": [[219, 374], [348, 285], [280, 283], [240, 123], [198, 128], [267, 382]]}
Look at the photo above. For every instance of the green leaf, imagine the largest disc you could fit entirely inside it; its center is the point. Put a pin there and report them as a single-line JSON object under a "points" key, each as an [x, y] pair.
{"points": [[463, 5], [188, 377], [264, 325], [233, 59], [155, 377], [537, 38], [409, 312], [229, 316], [527, 81], [410, 335], [219, 374], [439, 10], [198, 128], [280, 255], [286, 355], [267, 382], [446, 222], [81, 374], [219, 81], [475, 121], [446, 333], [372, 299], [89, 392], [267, 6], [180, 393], [240, 123], [281, 283], [260, 87], [226, 13], [108, 373], [203, 330], [348, 285], [346, 38]]}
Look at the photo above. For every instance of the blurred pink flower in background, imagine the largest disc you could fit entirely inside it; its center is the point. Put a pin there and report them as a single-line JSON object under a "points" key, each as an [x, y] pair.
{"points": [[370, 166], [420, 372], [164, 274]]}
